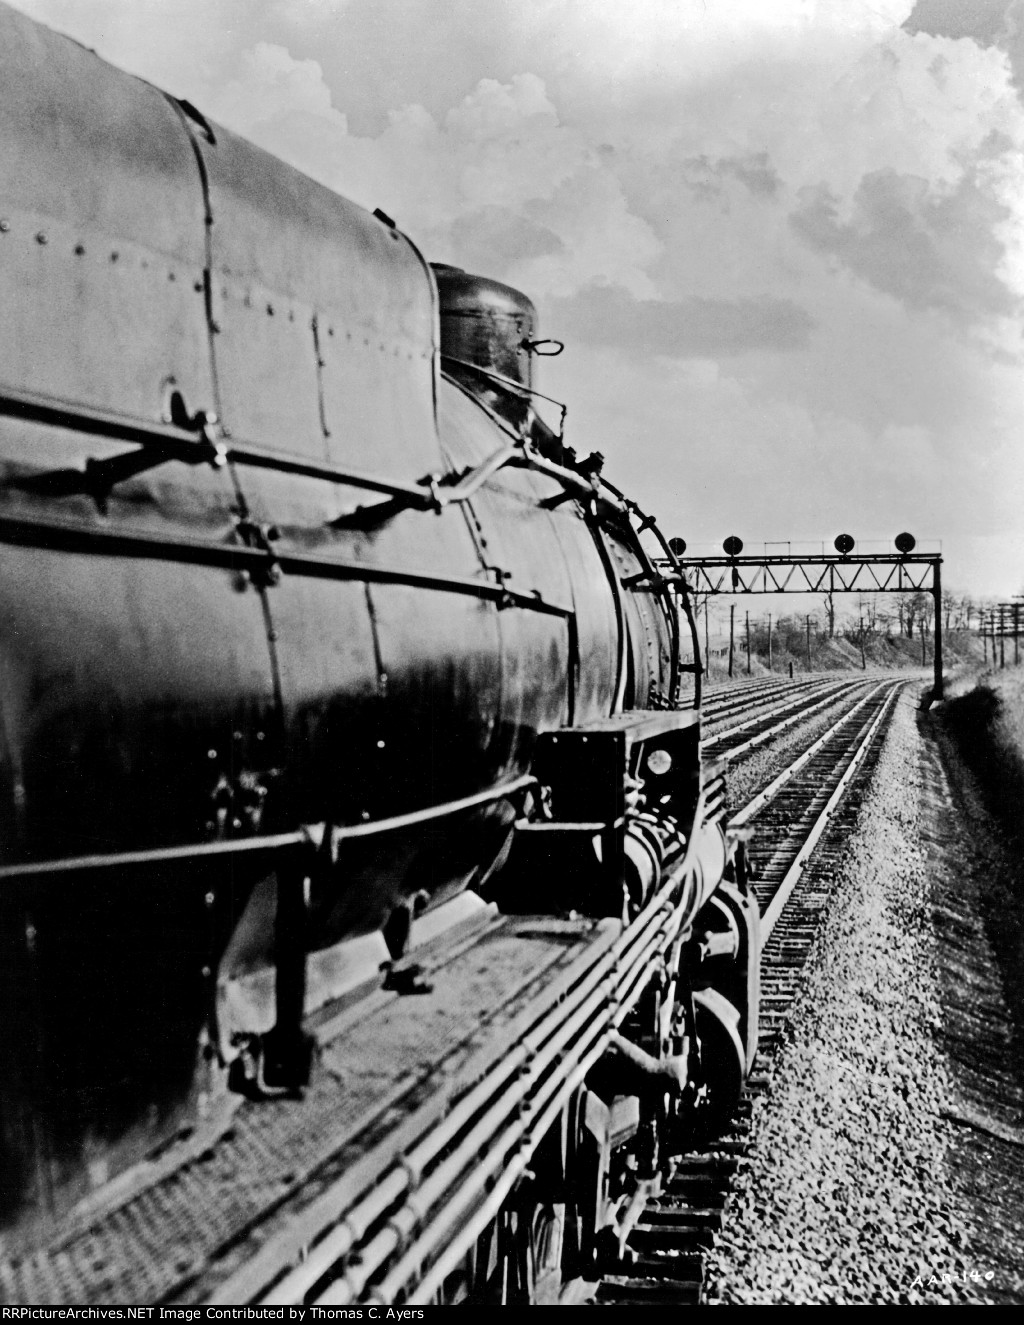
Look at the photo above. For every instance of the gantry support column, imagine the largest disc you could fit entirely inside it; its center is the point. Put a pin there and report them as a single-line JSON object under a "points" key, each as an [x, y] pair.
{"points": [[937, 690]]}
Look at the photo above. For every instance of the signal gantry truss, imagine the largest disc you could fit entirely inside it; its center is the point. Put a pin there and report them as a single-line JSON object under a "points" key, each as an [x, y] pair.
{"points": [[915, 572], [904, 571]]}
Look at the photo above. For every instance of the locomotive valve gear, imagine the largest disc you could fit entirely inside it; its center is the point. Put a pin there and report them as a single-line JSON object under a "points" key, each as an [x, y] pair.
{"points": [[643, 1072]]}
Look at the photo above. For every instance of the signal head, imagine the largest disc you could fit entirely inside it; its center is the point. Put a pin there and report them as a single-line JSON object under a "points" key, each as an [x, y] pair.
{"points": [[905, 543], [733, 546], [677, 545], [844, 545]]}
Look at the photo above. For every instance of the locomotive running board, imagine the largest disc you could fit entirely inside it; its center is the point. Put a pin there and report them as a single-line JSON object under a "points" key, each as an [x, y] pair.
{"points": [[382, 1156], [437, 1193]]}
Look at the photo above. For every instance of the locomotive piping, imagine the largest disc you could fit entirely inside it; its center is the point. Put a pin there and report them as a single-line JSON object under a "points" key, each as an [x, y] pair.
{"points": [[194, 448], [525, 392], [102, 542], [309, 837]]}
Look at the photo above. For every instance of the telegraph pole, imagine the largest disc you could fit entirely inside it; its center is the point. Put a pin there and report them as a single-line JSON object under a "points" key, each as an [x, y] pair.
{"points": [[707, 638], [748, 643], [808, 641], [1002, 637], [863, 659], [769, 641], [732, 620], [1016, 628]]}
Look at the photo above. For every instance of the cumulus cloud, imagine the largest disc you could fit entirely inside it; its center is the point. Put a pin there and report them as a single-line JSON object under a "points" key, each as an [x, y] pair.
{"points": [[271, 88], [907, 240], [787, 235], [607, 315]]}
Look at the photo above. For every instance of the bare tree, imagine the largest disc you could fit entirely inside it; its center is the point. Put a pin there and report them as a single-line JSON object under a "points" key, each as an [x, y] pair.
{"points": [[950, 605], [830, 613], [918, 611]]}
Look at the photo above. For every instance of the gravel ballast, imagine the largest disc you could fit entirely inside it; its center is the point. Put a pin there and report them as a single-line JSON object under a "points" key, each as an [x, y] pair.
{"points": [[854, 1191]]}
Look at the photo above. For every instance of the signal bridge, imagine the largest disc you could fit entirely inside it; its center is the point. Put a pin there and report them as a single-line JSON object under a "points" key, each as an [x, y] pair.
{"points": [[845, 571]]}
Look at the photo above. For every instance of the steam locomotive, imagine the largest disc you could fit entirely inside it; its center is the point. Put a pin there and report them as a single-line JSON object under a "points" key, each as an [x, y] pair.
{"points": [[311, 629]]}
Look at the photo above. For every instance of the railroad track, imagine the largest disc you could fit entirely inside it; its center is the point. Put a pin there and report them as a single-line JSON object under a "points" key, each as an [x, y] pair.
{"points": [[745, 729], [802, 819], [734, 699]]}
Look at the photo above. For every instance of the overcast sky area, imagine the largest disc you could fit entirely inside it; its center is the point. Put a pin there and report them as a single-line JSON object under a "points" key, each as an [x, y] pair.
{"points": [[783, 240]]}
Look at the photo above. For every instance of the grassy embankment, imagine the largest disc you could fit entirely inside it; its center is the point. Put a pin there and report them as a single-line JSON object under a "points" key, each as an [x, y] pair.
{"points": [[987, 723], [984, 720]]}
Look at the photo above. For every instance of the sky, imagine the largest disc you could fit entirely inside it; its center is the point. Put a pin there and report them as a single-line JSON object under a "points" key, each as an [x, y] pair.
{"points": [[783, 240]]}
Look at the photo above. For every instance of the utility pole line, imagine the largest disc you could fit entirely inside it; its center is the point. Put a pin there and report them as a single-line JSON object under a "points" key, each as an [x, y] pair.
{"points": [[769, 641], [863, 659], [748, 643], [808, 641]]}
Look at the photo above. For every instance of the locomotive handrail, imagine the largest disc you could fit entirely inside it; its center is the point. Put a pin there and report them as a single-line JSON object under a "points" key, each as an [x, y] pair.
{"points": [[526, 456], [207, 444], [520, 388], [298, 840], [309, 837], [234, 557], [192, 447]]}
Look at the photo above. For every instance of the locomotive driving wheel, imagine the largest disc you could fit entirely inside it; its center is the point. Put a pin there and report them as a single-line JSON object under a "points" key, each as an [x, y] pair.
{"points": [[517, 1260]]}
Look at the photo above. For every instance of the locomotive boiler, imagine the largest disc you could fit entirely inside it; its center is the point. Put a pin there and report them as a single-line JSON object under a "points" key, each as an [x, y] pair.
{"points": [[319, 649]]}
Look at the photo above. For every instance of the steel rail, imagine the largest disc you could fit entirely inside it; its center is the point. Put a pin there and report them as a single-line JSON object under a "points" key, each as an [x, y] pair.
{"points": [[769, 793], [795, 871], [759, 697], [833, 694]]}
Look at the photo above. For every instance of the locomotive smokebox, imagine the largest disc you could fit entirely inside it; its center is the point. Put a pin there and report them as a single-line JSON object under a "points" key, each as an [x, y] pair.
{"points": [[485, 323]]}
